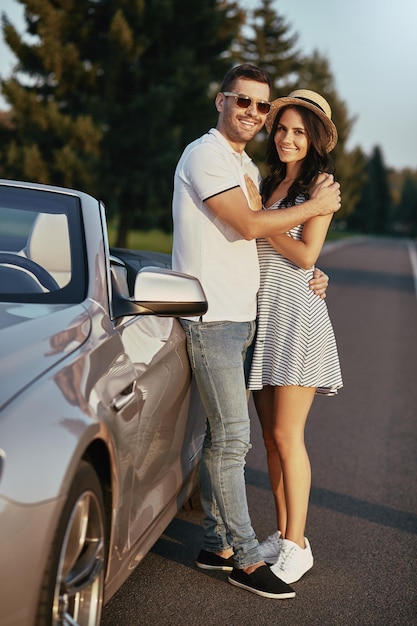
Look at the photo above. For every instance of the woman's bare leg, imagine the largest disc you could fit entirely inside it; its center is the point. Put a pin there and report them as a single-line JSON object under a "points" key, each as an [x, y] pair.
{"points": [[264, 402], [290, 410], [283, 414]]}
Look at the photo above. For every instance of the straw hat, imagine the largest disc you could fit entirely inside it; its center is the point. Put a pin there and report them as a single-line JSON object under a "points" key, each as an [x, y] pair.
{"points": [[310, 100]]}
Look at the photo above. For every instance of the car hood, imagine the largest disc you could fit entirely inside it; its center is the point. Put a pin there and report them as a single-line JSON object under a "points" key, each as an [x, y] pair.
{"points": [[33, 338]]}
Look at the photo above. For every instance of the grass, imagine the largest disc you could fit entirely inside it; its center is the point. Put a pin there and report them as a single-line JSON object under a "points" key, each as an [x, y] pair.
{"points": [[158, 241], [155, 240], [334, 234]]}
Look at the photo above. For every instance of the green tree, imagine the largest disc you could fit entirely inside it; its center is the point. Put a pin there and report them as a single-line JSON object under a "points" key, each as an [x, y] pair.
{"points": [[315, 73], [107, 93], [380, 191], [351, 170], [266, 40], [406, 209], [373, 209]]}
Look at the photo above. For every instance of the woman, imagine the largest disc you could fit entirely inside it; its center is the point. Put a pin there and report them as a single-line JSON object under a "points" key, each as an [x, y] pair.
{"points": [[295, 353]]}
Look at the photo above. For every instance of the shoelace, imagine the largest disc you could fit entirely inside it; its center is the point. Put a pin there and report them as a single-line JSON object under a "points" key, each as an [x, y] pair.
{"points": [[285, 556]]}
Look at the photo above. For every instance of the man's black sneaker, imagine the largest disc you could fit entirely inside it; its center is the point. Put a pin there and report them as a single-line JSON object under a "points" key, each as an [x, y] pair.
{"points": [[209, 560], [263, 582]]}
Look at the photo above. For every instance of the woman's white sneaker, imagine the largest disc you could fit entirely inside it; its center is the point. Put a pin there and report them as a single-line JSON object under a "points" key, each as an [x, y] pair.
{"points": [[293, 562], [271, 547]]}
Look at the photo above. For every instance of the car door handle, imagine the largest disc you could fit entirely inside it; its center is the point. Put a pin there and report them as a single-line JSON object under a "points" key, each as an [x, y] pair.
{"points": [[124, 397]]}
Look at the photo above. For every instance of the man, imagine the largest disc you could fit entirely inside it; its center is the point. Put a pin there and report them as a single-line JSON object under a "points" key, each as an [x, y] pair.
{"points": [[214, 239]]}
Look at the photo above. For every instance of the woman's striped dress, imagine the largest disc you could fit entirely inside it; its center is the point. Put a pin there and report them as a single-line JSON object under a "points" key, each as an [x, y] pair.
{"points": [[295, 342]]}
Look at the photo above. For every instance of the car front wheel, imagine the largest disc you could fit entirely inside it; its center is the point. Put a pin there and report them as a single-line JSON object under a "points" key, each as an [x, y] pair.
{"points": [[73, 585]]}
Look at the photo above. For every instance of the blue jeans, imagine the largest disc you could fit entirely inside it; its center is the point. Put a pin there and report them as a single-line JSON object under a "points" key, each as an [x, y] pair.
{"points": [[217, 353]]}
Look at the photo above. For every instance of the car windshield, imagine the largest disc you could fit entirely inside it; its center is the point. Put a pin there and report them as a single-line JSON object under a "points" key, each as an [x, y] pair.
{"points": [[42, 256]]}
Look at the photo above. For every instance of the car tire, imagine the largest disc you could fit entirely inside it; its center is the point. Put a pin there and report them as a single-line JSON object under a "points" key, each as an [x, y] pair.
{"points": [[73, 583]]}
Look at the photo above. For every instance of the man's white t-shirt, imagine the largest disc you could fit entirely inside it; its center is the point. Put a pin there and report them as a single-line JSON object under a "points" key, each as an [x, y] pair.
{"points": [[204, 246]]}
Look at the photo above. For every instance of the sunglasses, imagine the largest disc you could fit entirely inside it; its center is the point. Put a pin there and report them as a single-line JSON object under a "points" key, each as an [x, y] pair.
{"points": [[244, 102]]}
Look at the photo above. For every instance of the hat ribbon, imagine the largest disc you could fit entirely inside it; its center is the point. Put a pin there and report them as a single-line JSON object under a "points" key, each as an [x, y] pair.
{"points": [[311, 102]]}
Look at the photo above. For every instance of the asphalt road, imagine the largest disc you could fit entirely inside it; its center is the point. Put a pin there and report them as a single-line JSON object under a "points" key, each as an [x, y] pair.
{"points": [[362, 522]]}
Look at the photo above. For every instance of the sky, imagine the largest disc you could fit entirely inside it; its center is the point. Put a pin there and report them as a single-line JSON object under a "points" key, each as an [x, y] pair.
{"points": [[371, 46]]}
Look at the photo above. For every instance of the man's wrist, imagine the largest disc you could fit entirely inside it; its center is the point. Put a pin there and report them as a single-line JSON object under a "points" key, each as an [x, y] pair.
{"points": [[312, 207]]}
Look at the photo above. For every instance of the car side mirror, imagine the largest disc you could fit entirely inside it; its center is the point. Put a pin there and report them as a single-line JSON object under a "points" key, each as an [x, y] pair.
{"points": [[161, 291]]}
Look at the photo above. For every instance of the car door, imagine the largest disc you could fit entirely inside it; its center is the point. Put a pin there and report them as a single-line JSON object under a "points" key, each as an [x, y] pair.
{"points": [[156, 348]]}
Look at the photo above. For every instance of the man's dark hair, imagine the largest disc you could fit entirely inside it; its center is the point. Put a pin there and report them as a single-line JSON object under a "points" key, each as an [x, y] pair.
{"points": [[246, 71]]}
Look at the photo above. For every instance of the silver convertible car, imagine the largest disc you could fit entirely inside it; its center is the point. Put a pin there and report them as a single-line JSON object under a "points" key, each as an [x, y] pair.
{"points": [[101, 427]]}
